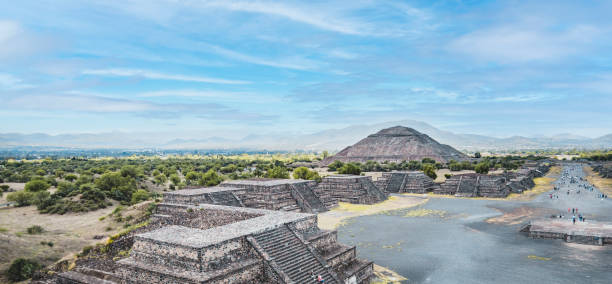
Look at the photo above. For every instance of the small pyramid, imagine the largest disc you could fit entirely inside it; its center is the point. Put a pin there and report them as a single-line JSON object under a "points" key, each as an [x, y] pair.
{"points": [[397, 144]]}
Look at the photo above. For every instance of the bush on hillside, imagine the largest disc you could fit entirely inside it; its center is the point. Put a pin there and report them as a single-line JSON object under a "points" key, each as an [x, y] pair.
{"points": [[22, 269], [36, 185], [349, 169]]}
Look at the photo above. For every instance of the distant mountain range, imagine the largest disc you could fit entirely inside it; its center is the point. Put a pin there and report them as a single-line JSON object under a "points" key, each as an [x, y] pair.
{"points": [[332, 139]]}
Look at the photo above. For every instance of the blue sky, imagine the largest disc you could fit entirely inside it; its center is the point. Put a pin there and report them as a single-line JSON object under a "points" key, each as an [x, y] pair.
{"points": [[236, 68]]}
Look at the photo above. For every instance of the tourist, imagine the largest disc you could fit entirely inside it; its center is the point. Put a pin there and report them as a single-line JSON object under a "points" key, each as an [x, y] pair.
{"points": [[320, 279], [574, 219]]}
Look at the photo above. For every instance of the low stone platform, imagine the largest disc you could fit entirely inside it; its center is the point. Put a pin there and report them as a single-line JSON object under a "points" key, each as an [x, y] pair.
{"points": [[591, 232], [278, 194], [349, 188], [211, 195]]}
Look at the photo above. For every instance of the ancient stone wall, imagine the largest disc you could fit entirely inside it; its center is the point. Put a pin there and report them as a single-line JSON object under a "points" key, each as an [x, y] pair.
{"points": [[349, 188]]}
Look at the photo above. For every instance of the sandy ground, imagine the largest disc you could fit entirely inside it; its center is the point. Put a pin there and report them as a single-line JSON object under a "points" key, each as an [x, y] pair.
{"points": [[385, 275], [13, 186], [330, 220], [603, 184], [69, 233]]}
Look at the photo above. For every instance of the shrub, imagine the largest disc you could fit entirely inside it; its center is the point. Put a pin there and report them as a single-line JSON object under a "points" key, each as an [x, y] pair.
{"points": [[139, 195], [22, 269], [448, 175], [277, 172], [305, 173], [36, 185], [35, 230], [482, 168], [349, 169], [430, 171], [335, 166], [70, 177], [22, 198], [210, 178], [86, 250], [4, 187]]}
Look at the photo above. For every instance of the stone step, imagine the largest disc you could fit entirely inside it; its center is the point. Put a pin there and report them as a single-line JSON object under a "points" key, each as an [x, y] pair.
{"points": [[291, 255]]}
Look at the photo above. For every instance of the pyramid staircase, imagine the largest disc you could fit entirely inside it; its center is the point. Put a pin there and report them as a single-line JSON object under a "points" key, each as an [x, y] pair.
{"points": [[225, 198], [306, 198], [294, 258]]}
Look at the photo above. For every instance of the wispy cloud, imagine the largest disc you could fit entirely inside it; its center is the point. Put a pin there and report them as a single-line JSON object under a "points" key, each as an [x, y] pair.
{"points": [[316, 18], [523, 98], [142, 108], [160, 76], [194, 94], [10, 82], [295, 62], [16, 42], [522, 43]]}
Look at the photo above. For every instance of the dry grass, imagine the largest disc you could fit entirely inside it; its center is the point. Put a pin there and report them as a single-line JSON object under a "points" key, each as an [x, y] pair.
{"points": [[603, 184], [69, 233], [332, 219], [385, 275], [542, 184]]}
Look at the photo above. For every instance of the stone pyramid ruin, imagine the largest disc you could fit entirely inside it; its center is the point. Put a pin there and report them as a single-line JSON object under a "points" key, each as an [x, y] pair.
{"points": [[397, 144]]}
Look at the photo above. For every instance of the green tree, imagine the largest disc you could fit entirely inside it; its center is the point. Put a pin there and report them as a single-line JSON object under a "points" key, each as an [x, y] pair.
{"points": [[22, 269], [305, 173], [59, 173], [70, 177], [477, 155], [175, 179], [430, 171], [40, 198], [160, 179], [482, 168], [325, 154], [428, 161], [22, 198], [349, 169], [140, 195], [277, 172], [129, 171], [192, 176], [210, 178], [334, 166], [36, 185]]}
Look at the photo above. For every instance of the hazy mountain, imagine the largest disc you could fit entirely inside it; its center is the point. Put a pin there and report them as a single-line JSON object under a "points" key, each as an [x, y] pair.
{"points": [[331, 139]]}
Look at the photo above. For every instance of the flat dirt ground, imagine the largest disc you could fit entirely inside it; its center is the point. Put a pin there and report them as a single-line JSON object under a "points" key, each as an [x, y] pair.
{"points": [[603, 184], [69, 233]]}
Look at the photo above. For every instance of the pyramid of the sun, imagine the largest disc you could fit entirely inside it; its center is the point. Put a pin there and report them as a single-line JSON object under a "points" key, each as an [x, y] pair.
{"points": [[397, 144]]}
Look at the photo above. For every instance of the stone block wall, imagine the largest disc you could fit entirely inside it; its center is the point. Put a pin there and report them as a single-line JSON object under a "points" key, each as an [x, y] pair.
{"points": [[347, 188]]}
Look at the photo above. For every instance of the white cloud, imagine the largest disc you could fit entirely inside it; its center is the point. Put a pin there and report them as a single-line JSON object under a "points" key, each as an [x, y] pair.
{"points": [[522, 98], [520, 43], [317, 18], [194, 93], [17, 42], [154, 75], [10, 82], [290, 63]]}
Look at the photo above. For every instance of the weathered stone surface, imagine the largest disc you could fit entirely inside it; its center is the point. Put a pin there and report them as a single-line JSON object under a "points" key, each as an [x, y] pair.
{"points": [[401, 182], [349, 188], [397, 144], [209, 243]]}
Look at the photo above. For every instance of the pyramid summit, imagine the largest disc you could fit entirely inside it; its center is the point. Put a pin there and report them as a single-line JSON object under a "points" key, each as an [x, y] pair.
{"points": [[397, 144]]}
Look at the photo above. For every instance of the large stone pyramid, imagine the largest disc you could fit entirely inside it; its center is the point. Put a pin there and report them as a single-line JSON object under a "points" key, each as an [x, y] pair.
{"points": [[397, 144]]}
